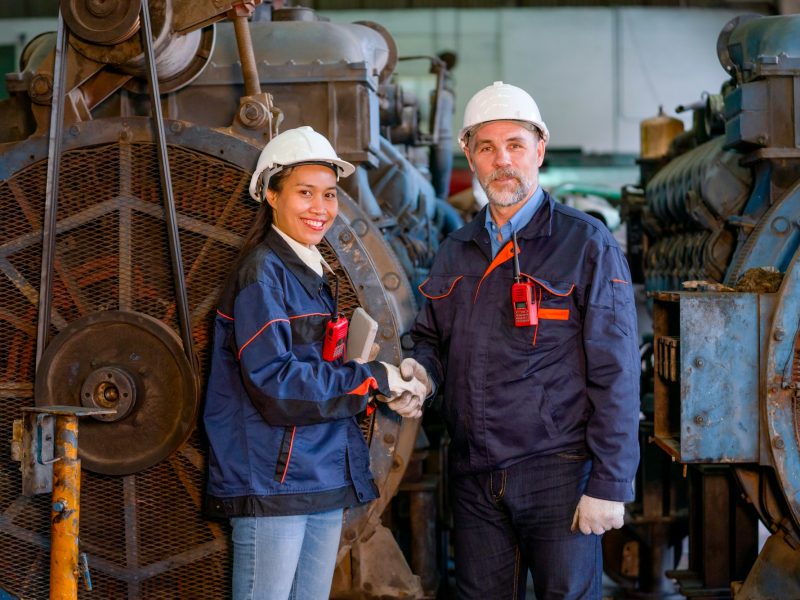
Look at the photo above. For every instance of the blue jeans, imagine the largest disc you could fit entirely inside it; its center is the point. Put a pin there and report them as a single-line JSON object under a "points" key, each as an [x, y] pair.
{"points": [[275, 558], [511, 520]]}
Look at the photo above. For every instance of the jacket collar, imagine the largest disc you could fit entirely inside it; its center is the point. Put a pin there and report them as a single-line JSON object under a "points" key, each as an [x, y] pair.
{"points": [[308, 278], [540, 225]]}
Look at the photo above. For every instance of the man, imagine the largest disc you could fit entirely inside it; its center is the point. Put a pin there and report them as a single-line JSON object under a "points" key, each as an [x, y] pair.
{"points": [[543, 413]]}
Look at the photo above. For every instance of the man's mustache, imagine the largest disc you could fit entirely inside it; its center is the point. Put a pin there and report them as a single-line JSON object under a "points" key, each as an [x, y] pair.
{"points": [[503, 174]]}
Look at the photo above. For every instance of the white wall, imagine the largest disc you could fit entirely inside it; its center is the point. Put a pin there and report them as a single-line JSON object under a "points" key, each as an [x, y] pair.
{"points": [[18, 32], [595, 72]]}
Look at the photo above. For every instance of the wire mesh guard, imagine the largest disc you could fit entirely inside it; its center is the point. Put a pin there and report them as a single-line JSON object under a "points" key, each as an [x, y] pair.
{"points": [[144, 533]]}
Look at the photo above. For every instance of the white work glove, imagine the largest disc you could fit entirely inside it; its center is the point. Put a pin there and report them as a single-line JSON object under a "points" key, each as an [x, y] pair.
{"points": [[406, 395], [410, 368], [407, 405], [598, 516]]}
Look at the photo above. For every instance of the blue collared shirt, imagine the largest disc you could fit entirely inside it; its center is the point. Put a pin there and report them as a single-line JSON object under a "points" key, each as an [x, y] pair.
{"points": [[515, 223]]}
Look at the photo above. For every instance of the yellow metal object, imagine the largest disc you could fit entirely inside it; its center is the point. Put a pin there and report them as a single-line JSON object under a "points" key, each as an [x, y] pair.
{"points": [[657, 133], [66, 489], [65, 511]]}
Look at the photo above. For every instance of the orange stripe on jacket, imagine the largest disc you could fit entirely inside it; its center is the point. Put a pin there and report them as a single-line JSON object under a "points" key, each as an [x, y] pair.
{"points": [[505, 254], [554, 314], [364, 387]]}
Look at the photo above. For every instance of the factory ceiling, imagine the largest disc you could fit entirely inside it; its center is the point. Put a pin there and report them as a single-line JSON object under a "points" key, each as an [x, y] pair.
{"points": [[47, 8]]}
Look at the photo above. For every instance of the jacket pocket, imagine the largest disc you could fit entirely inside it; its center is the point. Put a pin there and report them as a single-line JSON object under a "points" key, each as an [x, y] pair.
{"points": [[556, 310], [546, 415], [624, 309], [285, 454], [439, 287]]}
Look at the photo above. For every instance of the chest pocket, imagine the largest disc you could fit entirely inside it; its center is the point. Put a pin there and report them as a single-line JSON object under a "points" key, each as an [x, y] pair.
{"points": [[557, 312], [439, 287], [445, 293]]}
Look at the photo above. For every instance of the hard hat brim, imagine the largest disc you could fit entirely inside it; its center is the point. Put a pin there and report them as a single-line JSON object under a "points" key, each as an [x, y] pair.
{"points": [[342, 168]]}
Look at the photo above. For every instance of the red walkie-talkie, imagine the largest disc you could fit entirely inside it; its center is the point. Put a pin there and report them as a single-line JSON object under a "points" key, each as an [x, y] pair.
{"points": [[522, 303], [335, 331]]}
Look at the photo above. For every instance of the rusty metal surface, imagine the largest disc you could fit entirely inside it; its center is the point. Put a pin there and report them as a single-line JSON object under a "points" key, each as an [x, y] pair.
{"points": [[65, 511], [106, 23], [144, 533], [775, 574], [144, 359], [719, 367], [723, 543]]}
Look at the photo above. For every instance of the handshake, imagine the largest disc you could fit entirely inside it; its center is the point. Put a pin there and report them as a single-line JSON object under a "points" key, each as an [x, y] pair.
{"points": [[410, 385]]}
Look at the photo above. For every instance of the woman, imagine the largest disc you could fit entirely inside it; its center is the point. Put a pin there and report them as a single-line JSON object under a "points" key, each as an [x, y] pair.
{"points": [[286, 454]]}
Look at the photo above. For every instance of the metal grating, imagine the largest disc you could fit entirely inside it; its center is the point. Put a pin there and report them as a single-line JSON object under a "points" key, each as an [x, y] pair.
{"points": [[144, 533]]}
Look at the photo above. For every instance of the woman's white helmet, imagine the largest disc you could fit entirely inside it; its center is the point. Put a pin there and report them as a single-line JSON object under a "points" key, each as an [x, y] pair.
{"points": [[501, 102], [293, 147]]}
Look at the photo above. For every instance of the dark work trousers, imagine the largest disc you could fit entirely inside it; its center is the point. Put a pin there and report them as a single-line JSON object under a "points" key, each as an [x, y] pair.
{"points": [[510, 520]]}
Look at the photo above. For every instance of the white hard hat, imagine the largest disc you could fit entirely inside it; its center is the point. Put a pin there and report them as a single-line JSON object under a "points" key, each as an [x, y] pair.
{"points": [[292, 147], [501, 102]]}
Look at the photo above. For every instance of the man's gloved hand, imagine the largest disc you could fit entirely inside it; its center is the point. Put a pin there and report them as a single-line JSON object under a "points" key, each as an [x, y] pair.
{"points": [[410, 368], [598, 516], [406, 395]]}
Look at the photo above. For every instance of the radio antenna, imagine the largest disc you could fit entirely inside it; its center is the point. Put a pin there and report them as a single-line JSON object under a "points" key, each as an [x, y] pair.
{"points": [[517, 276]]}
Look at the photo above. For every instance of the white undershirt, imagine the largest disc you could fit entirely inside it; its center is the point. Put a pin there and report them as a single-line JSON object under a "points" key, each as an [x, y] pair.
{"points": [[308, 254]]}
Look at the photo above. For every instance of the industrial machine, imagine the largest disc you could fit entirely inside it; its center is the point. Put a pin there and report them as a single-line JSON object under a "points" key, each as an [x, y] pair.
{"points": [[715, 238], [123, 200]]}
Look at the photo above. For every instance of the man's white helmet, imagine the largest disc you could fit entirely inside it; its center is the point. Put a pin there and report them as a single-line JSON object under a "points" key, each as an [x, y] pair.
{"points": [[501, 102], [292, 147]]}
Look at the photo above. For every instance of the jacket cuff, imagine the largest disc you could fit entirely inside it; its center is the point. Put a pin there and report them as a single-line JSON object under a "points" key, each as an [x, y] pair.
{"points": [[378, 371], [616, 491], [434, 381]]}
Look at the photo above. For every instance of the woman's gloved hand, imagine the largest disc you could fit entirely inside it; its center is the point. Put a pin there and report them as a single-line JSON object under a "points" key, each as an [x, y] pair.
{"points": [[407, 395]]}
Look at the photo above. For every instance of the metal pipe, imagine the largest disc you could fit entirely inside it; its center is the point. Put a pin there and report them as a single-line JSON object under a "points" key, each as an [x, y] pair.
{"points": [[252, 85], [181, 299], [65, 511], [51, 190]]}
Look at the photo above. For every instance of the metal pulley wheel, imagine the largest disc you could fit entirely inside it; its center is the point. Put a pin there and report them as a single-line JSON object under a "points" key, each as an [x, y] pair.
{"points": [[129, 362], [105, 22]]}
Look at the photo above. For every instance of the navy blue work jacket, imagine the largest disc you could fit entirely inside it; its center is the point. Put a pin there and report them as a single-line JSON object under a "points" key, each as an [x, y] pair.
{"points": [[281, 421], [569, 384]]}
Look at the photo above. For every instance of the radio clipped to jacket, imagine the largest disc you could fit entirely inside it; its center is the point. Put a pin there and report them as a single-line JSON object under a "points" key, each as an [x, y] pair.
{"points": [[522, 302], [335, 331]]}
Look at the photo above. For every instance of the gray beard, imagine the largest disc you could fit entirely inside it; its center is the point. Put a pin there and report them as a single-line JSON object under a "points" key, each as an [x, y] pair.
{"points": [[510, 198]]}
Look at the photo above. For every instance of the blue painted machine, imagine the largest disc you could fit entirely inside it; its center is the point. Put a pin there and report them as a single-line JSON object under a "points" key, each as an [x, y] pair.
{"points": [[723, 210]]}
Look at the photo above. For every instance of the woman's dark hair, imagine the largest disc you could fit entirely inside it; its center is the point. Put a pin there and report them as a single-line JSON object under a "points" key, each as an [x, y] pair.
{"points": [[261, 224]]}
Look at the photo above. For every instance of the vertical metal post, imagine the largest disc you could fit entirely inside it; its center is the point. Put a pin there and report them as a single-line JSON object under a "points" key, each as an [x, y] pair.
{"points": [[252, 85], [66, 562], [65, 511]]}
